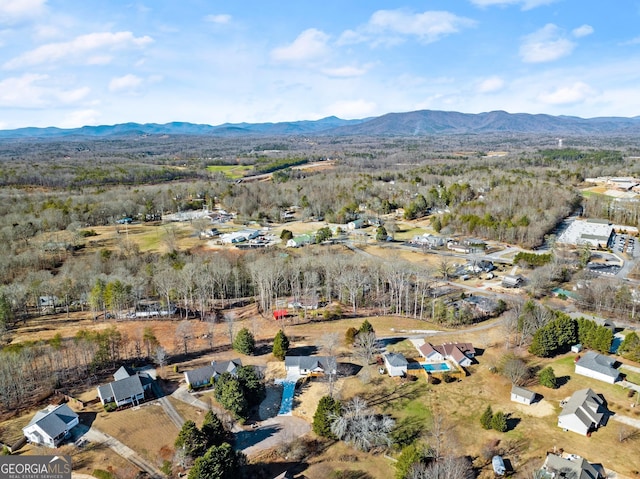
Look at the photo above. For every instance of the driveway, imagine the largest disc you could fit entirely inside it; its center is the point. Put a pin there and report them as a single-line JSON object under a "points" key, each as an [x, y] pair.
{"points": [[271, 433], [97, 436]]}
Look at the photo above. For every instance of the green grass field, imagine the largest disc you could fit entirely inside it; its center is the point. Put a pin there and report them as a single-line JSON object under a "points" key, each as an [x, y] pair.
{"points": [[232, 171]]}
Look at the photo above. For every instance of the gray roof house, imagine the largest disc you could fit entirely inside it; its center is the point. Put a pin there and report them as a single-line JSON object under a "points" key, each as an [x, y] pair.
{"points": [[51, 425], [522, 395], [308, 365], [597, 366], [128, 388], [570, 467], [202, 376], [396, 364], [584, 412]]}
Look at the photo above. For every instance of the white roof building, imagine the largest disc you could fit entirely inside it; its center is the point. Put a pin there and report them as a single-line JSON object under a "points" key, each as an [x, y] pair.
{"points": [[593, 232]]}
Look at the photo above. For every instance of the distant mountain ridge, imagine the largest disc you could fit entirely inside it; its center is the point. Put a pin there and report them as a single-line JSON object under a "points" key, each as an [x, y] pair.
{"points": [[415, 123]]}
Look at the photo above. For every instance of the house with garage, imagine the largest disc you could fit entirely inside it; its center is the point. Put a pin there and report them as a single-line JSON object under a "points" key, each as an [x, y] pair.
{"points": [[206, 375], [459, 353], [583, 413], [128, 387], [597, 366], [522, 395], [50, 426], [396, 364], [569, 466], [309, 365]]}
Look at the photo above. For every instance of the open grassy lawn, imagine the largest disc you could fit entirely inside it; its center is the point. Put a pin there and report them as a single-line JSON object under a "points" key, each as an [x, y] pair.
{"points": [[232, 171], [147, 430]]}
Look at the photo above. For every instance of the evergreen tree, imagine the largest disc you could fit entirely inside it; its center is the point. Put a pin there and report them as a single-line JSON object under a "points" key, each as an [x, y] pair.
{"points": [[229, 394], [487, 418], [286, 235], [280, 345], [410, 455], [547, 378], [191, 439], [350, 335], [213, 430], [630, 347], [366, 327], [253, 387], [327, 407], [244, 342], [219, 462], [499, 422], [381, 234]]}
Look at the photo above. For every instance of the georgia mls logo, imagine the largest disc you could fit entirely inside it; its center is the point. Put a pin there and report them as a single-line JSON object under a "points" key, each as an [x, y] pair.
{"points": [[35, 467]]}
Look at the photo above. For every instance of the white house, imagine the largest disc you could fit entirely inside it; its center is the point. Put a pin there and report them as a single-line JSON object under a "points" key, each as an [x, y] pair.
{"points": [[300, 240], [51, 425], [128, 388], [597, 366], [522, 395], [356, 224], [584, 412], [396, 364], [309, 365]]}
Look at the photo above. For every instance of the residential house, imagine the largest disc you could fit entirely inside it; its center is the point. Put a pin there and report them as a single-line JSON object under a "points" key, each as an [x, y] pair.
{"points": [[308, 365], [584, 412], [51, 425], [460, 353], [429, 240], [206, 375], [396, 364], [597, 366], [512, 281], [569, 467], [356, 224], [522, 395], [483, 305], [128, 387], [300, 240]]}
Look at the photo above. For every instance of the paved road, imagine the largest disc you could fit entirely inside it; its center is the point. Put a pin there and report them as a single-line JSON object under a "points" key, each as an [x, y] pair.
{"points": [[629, 421], [97, 436]]}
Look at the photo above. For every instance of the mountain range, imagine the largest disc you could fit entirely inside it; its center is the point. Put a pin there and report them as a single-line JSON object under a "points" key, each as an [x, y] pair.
{"points": [[415, 123]]}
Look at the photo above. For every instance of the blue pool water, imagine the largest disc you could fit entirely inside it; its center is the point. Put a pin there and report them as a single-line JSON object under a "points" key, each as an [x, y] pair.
{"points": [[287, 398], [430, 367]]}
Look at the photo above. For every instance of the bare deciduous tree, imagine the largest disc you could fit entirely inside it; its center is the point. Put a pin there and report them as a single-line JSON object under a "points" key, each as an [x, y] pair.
{"points": [[360, 426], [366, 347]]}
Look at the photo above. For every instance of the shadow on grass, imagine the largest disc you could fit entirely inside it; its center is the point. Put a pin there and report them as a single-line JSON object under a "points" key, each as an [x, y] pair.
{"points": [[302, 351], [512, 422], [562, 380]]}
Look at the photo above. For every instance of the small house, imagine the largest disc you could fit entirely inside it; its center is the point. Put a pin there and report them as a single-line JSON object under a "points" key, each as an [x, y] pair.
{"points": [[206, 375], [512, 281], [597, 366], [308, 365], [51, 425], [583, 413], [356, 224], [396, 364], [299, 241], [522, 395]]}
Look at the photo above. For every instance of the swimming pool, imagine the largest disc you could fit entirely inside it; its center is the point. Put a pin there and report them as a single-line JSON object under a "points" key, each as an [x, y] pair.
{"points": [[435, 367], [289, 389]]}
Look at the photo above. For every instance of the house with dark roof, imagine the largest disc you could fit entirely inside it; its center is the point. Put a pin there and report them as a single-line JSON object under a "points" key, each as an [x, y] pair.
{"points": [[583, 413], [128, 387], [597, 366], [522, 395], [569, 467], [308, 365], [396, 364], [51, 425], [206, 375]]}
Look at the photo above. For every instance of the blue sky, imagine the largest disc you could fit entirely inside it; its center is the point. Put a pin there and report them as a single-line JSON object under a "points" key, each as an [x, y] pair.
{"points": [[70, 63]]}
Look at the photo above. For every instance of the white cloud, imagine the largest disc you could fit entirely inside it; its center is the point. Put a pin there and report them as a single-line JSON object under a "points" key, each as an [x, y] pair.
{"points": [[576, 93], [79, 118], [310, 44], [27, 91], [15, 10], [545, 45], [490, 85], [125, 83], [351, 109], [79, 49], [526, 4], [220, 19], [346, 71], [582, 31], [396, 25]]}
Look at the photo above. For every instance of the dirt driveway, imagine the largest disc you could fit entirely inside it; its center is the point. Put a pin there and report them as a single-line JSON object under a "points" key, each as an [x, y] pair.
{"points": [[271, 433]]}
